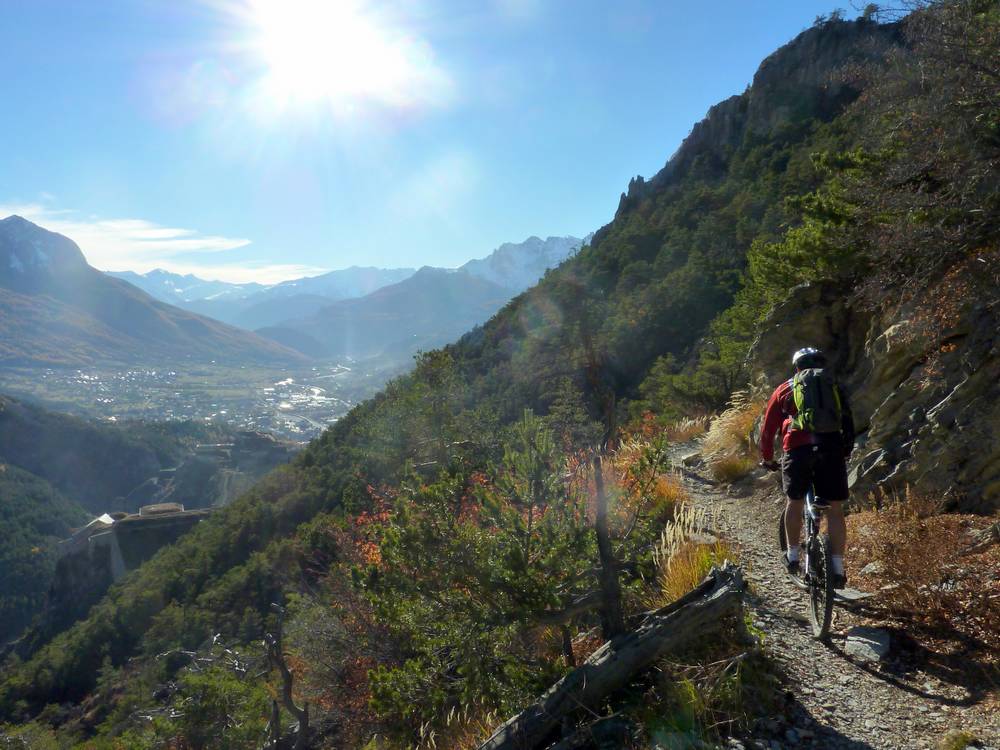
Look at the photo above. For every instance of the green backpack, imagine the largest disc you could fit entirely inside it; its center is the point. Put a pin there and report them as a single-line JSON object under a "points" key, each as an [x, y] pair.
{"points": [[817, 401]]}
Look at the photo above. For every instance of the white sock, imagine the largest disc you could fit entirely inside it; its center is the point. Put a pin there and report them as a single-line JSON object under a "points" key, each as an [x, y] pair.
{"points": [[838, 564], [793, 553]]}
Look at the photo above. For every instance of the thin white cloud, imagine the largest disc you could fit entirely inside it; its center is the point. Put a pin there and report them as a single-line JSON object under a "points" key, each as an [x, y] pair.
{"points": [[140, 245]]}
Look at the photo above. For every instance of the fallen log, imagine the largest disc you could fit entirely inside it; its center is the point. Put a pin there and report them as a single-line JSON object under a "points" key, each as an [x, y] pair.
{"points": [[618, 661]]}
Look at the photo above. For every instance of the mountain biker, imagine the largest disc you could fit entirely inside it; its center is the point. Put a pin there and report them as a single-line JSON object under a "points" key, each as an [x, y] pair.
{"points": [[816, 446]]}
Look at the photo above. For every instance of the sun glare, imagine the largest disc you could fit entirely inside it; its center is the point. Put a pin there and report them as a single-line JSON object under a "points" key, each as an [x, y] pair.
{"points": [[341, 52]]}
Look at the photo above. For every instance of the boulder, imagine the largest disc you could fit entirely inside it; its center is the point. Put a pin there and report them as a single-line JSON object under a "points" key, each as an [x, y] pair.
{"points": [[867, 644], [691, 459]]}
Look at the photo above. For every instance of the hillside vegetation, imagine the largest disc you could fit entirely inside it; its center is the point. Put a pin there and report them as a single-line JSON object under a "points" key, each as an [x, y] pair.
{"points": [[96, 464], [434, 547], [33, 517], [57, 472]]}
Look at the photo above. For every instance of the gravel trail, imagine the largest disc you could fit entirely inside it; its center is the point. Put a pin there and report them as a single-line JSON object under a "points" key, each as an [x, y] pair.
{"points": [[835, 700]]}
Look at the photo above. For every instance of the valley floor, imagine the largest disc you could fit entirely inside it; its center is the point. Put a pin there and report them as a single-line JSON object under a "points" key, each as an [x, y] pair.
{"points": [[833, 699]]}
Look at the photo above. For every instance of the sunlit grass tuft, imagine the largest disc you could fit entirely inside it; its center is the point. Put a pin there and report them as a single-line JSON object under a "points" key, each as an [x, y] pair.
{"points": [[682, 558], [728, 445], [683, 430], [729, 469], [689, 566], [669, 489], [464, 727]]}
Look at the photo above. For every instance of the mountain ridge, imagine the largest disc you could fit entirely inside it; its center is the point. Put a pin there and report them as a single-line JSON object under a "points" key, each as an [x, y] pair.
{"points": [[598, 342], [430, 308], [513, 265], [58, 310]]}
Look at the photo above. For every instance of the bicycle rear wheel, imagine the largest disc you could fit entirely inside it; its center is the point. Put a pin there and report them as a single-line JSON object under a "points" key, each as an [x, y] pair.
{"points": [[820, 586]]}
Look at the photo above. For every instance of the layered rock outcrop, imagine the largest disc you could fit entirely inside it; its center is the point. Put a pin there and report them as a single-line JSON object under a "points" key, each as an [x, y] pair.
{"points": [[925, 387]]}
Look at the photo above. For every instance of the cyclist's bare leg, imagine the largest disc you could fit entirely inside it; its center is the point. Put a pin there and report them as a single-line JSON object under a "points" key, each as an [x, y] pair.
{"points": [[793, 521], [837, 527]]}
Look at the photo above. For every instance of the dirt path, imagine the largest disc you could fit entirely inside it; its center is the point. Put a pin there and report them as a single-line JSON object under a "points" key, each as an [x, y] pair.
{"points": [[834, 700]]}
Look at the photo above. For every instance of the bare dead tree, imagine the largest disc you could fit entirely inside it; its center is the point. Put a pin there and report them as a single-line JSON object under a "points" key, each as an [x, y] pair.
{"points": [[618, 661], [612, 622], [276, 657]]}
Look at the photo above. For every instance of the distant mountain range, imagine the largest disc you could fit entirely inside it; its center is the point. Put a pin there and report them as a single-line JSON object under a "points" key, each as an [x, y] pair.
{"points": [[517, 267], [178, 289], [512, 266], [253, 306], [431, 308], [364, 312], [55, 309]]}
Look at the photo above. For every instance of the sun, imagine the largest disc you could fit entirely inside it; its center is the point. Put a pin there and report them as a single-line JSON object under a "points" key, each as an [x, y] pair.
{"points": [[340, 52]]}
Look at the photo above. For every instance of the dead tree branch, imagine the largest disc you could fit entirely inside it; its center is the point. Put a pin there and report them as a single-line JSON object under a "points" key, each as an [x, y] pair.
{"points": [[276, 656], [618, 661]]}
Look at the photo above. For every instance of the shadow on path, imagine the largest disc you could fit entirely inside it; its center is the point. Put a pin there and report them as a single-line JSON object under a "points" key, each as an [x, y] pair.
{"points": [[895, 673], [808, 730]]}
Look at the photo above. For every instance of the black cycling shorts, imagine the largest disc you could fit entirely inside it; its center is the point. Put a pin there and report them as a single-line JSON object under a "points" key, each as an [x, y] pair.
{"points": [[824, 466]]}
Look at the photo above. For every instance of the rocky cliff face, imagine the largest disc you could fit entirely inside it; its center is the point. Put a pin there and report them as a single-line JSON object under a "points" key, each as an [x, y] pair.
{"points": [[924, 379], [807, 78]]}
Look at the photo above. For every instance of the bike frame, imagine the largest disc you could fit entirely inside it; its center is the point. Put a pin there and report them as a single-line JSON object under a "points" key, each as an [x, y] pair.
{"points": [[812, 517]]}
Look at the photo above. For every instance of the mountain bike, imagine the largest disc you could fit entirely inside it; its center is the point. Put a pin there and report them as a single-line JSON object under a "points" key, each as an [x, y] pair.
{"points": [[816, 563]]}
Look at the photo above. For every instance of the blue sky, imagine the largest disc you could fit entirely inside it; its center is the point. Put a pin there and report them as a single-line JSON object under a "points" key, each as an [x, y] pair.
{"points": [[267, 139]]}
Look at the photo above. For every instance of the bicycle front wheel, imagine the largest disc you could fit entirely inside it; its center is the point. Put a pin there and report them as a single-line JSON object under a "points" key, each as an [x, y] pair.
{"points": [[820, 586]]}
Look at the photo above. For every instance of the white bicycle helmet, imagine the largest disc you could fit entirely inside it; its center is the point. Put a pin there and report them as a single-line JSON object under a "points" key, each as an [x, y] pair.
{"points": [[809, 357]]}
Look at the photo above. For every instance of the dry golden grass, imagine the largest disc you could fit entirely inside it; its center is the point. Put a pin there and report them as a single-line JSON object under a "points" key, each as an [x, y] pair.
{"points": [[464, 728], [957, 740], [689, 566], [683, 430], [639, 484], [729, 469], [669, 489], [728, 445], [682, 558]]}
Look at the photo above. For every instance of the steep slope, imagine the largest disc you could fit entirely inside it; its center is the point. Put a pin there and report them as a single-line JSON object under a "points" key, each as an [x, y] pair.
{"points": [[93, 463], [57, 310], [33, 517], [59, 471], [428, 309], [587, 335]]}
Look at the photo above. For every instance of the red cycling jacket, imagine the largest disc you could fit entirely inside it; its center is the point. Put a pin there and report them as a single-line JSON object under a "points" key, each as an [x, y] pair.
{"points": [[778, 415]]}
